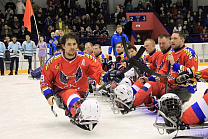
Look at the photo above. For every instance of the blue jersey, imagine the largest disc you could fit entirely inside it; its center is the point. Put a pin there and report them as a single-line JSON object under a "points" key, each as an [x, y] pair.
{"points": [[14, 47], [2, 49], [28, 48]]}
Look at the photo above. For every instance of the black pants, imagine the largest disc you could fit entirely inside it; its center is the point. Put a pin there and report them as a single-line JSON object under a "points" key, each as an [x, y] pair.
{"points": [[2, 66], [29, 61], [12, 64]]}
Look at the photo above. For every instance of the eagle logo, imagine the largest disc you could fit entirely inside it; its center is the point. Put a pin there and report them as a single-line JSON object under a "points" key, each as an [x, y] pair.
{"points": [[71, 81]]}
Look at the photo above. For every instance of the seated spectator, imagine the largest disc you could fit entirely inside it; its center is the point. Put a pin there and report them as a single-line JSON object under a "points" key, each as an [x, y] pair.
{"points": [[49, 30], [171, 25], [104, 6], [179, 4], [67, 30], [148, 5], [96, 32], [74, 29], [120, 15], [116, 14], [185, 31], [206, 21], [174, 9], [60, 24], [10, 4], [9, 12], [167, 8], [35, 6], [102, 24], [89, 32], [123, 22], [138, 40], [6, 31], [15, 26], [96, 4], [67, 21], [48, 22], [50, 12], [22, 33], [60, 13], [196, 16], [140, 7], [40, 23], [129, 7], [105, 32], [82, 33], [199, 28], [1, 15], [191, 26], [179, 27]]}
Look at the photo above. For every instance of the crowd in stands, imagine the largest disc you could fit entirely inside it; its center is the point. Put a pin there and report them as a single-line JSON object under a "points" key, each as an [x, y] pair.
{"points": [[85, 22], [177, 16], [90, 22]]}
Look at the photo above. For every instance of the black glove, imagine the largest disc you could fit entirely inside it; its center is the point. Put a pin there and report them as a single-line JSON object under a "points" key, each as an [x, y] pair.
{"points": [[110, 57], [115, 75], [184, 76]]}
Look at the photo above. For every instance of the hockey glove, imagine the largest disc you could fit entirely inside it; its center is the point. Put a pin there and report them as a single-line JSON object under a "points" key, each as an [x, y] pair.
{"points": [[115, 75], [184, 76]]}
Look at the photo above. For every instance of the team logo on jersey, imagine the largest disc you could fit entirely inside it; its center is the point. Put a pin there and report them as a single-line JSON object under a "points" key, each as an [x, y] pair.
{"points": [[71, 81], [57, 66]]}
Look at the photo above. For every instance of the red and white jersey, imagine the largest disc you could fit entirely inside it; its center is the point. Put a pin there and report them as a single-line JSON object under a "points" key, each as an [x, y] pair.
{"points": [[202, 75], [197, 113], [150, 59], [60, 73], [184, 58]]}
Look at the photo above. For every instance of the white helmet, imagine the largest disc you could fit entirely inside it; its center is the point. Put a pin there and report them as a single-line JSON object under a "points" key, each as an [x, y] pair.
{"points": [[130, 74], [89, 110], [124, 93], [171, 105], [126, 81]]}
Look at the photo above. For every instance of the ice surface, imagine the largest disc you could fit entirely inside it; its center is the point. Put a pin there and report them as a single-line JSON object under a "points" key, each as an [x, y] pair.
{"points": [[25, 114]]}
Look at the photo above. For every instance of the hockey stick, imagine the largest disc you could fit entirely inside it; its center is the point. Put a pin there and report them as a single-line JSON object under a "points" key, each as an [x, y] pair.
{"points": [[166, 81], [127, 54], [142, 66], [55, 114]]}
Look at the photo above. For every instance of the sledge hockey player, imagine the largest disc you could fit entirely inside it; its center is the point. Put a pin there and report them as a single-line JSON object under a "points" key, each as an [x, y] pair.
{"points": [[64, 79], [181, 59], [171, 110]]}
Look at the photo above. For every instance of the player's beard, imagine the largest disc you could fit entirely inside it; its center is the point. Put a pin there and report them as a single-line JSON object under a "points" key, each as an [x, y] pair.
{"points": [[71, 54]]}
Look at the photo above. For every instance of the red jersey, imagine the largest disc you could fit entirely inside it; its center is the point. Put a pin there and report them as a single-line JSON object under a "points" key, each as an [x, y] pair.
{"points": [[103, 60], [184, 58], [202, 75], [60, 73]]}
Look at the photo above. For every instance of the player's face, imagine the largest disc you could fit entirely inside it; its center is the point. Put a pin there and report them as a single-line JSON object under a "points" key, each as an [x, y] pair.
{"points": [[27, 38], [149, 46], [14, 39], [119, 48], [119, 30], [176, 41], [132, 52], [70, 48], [164, 44], [96, 50], [88, 48]]}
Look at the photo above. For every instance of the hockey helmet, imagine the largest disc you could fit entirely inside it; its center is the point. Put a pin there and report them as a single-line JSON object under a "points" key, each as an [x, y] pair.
{"points": [[126, 81], [124, 93]]}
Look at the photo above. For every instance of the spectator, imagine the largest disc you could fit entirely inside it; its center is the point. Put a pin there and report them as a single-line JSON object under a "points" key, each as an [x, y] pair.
{"points": [[48, 22], [74, 29], [77, 8], [40, 23], [167, 8], [82, 33], [6, 31], [191, 26], [51, 44], [14, 48], [42, 51], [179, 5], [15, 26], [138, 40], [185, 31], [186, 3], [67, 21], [104, 6], [28, 50], [22, 33], [96, 32], [199, 28], [1, 15], [126, 2], [60, 13], [89, 32], [67, 30], [60, 24], [35, 6], [105, 32], [10, 4], [129, 7], [123, 22], [148, 5], [88, 20], [9, 12], [116, 14], [88, 4], [102, 24], [171, 25], [2, 50], [51, 12], [206, 21], [49, 30], [20, 8], [96, 4], [174, 9], [140, 7], [120, 15]]}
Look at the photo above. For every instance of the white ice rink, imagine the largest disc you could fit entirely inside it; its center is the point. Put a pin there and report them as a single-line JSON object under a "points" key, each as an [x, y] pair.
{"points": [[25, 114]]}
